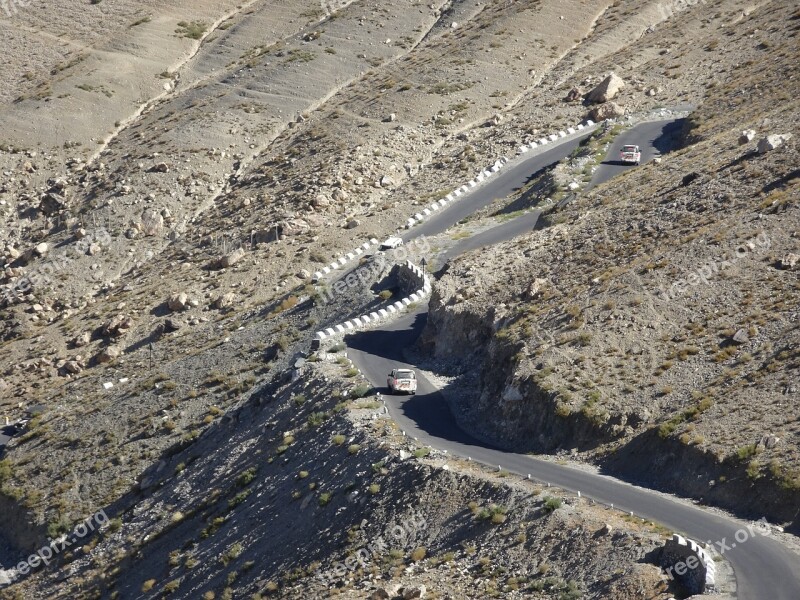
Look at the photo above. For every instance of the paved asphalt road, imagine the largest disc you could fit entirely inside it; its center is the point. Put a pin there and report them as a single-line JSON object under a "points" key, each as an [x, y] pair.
{"points": [[765, 569], [500, 185], [653, 138]]}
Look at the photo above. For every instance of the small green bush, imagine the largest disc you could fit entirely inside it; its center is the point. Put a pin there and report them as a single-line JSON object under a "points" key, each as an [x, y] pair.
{"points": [[495, 513], [360, 391], [193, 30], [246, 476], [316, 419], [747, 451], [551, 504]]}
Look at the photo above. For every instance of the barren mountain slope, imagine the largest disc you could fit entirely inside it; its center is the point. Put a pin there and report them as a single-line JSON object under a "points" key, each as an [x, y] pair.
{"points": [[614, 332], [276, 497], [152, 165]]}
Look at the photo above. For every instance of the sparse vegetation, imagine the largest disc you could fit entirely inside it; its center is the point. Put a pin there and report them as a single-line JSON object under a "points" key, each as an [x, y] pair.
{"points": [[194, 30], [205, 422], [552, 504]]}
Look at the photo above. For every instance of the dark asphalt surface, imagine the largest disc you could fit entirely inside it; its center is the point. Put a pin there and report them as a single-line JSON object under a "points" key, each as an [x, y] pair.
{"points": [[764, 568], [653, 139], [500, 185]]}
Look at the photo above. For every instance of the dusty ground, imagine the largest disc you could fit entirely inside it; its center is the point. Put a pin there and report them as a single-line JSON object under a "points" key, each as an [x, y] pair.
{"points": [[584, 342], [142, 151]]}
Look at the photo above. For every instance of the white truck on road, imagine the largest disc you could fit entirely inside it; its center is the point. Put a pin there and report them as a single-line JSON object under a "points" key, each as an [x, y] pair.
{"points": [[630, 154], [391, 243], [402, 380]]}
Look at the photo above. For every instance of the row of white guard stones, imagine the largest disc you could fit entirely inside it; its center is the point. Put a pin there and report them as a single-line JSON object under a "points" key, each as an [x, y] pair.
{"points": [[425, 287]]}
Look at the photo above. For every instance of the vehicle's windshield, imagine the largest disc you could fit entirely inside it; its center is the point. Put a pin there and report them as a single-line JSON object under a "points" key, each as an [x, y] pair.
{"points": [[405, 375], [630, 148]]}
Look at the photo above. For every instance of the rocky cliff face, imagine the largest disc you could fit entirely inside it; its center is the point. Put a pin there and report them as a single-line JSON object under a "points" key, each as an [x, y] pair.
{"points": [[502, 396], [651, 325], [301, 493]]}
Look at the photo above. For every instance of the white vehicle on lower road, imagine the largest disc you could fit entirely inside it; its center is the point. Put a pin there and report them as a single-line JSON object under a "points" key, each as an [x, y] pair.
{"points": [[391, 243], [402, 380], [630, 154]]}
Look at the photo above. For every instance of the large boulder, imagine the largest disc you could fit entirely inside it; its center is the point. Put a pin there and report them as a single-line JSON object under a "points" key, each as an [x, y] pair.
{"points": [[606, 90], [173, 324], [747, 136], [789, 261], [225, 300], [152, 222], [321, 201], [117, 326], [51, 203], [773, 141], [609, 110], [178, 302], [412, 593], [106, 355], [82, 340], [230, 259], [573, 95], [73, 366], [292, 227], [265, 236]]}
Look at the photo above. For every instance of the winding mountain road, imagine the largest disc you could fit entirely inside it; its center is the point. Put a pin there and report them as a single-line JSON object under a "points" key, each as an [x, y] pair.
{"points": [[653, 139], [764, 568]]}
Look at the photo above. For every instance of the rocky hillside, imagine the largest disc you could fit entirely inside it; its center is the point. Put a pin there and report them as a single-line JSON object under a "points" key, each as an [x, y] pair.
{"points": [[307, 490], [652, 327], [171, 174]]}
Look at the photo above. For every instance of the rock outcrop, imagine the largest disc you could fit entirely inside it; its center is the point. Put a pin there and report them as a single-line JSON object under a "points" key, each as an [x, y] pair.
{"points": [[609, 110], [606, 90]]}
